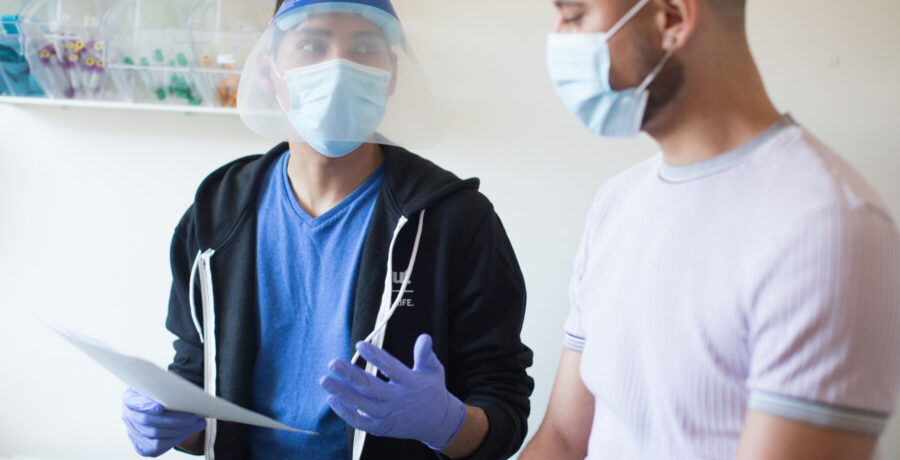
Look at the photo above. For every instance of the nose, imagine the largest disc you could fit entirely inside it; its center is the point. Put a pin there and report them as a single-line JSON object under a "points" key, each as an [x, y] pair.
{"points": [[338, 51]]}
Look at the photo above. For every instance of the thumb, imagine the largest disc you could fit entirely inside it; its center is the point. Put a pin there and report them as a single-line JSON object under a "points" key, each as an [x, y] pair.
{"points": [[423, 354], [140, 403]]}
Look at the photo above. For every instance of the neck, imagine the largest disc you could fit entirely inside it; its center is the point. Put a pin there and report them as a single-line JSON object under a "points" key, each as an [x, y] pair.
{"points": [[722, 105], [320, 183]]}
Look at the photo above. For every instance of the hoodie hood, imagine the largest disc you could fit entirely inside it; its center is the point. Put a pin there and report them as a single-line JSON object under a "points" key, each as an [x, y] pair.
{"points": [[226, 199]]}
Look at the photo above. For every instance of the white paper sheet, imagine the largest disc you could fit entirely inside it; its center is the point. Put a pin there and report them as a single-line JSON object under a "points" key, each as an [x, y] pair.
{"points": [[170, 390]]}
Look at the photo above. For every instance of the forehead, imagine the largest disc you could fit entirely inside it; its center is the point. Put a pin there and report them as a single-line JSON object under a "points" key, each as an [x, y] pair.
{"points": [[337, 25]]}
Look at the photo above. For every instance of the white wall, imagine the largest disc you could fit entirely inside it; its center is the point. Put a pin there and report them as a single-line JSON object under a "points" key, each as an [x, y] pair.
{"points": [[88, 198]]}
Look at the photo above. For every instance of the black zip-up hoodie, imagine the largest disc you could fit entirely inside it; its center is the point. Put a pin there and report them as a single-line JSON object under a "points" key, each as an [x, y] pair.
{"points": [[468, 293]]}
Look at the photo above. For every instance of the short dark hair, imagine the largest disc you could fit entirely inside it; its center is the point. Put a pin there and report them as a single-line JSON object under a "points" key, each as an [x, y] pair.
{"points": [[278, 4]]}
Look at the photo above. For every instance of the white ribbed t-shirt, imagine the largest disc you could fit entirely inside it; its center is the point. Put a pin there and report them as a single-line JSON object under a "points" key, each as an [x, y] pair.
{"points": [[767, 278]]}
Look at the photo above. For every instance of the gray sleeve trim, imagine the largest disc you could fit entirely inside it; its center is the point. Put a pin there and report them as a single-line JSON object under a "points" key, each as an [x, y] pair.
{"points": [[573, 343], [818, 414]]}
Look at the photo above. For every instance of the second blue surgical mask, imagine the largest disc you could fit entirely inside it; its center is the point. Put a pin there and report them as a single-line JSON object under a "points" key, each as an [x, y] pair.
{"points": [[579, 66], [337, 105]]}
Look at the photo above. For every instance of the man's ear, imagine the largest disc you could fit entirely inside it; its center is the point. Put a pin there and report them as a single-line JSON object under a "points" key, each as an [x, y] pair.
{"points": [[676, 21], [393, 85], [265, 69]]}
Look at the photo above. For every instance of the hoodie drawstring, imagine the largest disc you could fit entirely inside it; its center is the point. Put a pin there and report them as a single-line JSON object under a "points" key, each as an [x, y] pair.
{"points": [[376, 337], [203, 266], [387, 309]]}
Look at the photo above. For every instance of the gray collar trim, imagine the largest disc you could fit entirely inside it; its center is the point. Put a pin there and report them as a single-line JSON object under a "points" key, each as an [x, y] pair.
{"points": [[725, 161]]}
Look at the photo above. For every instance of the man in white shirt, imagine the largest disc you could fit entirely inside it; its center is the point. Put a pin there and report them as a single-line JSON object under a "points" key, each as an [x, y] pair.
{"points": [[737, 295]]}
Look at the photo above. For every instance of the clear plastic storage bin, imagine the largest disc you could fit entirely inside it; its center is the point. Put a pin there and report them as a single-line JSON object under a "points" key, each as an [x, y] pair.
{"points": [[223, 33], [148, 50], [63, 46], [15, 75]]}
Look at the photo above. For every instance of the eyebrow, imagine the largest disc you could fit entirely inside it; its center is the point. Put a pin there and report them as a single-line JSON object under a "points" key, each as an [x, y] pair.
{"points": [[367, 34], [312, 31], [328, 33], [568, 3]]}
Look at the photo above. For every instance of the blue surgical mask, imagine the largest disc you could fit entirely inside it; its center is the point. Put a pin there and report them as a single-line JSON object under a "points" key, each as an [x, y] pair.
{"points": [[336, 106], [579, 66]]}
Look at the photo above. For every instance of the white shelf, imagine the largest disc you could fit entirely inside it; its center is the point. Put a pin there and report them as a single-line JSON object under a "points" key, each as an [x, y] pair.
{"points": [[186, 109]]}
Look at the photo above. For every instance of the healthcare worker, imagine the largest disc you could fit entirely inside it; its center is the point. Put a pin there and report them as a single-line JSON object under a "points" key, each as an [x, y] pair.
{"points": [[735, 296], [337, 242]]}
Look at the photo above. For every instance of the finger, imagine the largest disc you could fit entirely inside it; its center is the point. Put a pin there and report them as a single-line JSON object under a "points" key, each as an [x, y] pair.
{"points": [[363, 381], [387, 364], [170, 420], [350, 415], [424, 356], [154, 447], [342, 390], [150, 447], [140, 403], [143, 446], [160, 431]]}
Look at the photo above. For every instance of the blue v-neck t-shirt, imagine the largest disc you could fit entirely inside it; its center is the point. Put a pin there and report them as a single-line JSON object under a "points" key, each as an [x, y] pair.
{"points": [[306, 277]]}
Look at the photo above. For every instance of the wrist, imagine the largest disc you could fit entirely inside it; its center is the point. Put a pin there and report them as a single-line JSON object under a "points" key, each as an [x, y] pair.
{"points": [[471, 435], [453, 421], [193, 444]]}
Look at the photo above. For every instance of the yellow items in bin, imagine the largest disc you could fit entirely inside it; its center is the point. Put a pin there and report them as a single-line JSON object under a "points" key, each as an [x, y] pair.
{"points": [[64, 48], [186, 52], [223, 33]]}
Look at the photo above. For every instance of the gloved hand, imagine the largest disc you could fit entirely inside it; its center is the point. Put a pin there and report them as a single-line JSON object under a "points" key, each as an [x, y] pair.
{"points": [[153, 429], [414, 404]]}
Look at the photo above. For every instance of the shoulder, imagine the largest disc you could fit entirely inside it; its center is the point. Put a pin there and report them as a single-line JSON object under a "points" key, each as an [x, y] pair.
{"points": [[463, 213], [814, 201], [622, 185], [804, 177], [226, 193], [235, 177]]}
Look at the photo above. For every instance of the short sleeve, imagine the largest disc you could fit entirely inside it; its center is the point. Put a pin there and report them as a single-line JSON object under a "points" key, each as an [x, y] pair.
{"points": [[575, 336], [574, 327], [824, 331]]}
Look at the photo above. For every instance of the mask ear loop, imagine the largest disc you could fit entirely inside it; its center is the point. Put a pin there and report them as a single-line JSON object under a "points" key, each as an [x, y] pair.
{"points": [[628, 16], [655, 72], [282, 78]]}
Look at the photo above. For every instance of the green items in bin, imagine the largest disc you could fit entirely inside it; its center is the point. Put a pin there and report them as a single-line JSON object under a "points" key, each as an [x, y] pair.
{"points": [[163, 79]]}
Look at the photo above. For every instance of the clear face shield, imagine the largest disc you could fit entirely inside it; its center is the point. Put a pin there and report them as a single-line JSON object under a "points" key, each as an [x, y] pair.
{"points": [[336, 75]]}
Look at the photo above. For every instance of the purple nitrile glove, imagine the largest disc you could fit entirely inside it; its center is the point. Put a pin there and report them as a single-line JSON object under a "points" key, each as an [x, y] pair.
{"points": [[414, 404], [152, 428]]}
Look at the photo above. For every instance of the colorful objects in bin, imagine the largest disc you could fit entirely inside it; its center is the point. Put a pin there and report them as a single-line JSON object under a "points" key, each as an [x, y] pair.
{"points": [[179, 85], [226, 89], [226, 92], [93, 73], [9, 23], [16, 78], [71, 66], [151, 80], [99, 73], [164, 79], [55, 71]]}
